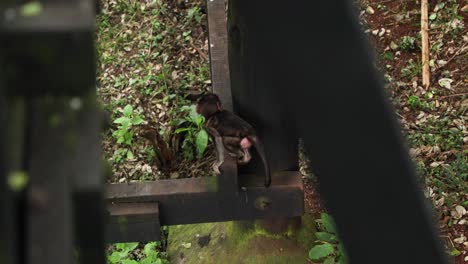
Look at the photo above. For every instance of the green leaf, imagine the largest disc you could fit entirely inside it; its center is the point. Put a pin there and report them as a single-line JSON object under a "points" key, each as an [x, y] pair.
{"points": [[433, 16], [124, 121], [329, 260], [193, 114], [324, 236], [149, 248], [128, 110], [31, 9], [320, 251], [328, 223], [126, 246], [201, 142], [137, 120], [200, 120], [115, 257], [455, 252], [130, 155], [129, 261], [182, 129]]}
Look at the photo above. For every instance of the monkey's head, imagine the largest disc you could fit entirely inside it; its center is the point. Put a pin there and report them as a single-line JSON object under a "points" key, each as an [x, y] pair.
{"points": [[208, 104]]}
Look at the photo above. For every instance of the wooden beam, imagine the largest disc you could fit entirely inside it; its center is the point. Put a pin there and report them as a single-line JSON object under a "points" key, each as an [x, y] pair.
{"points": [[188, 201], [133, 222], [217, 31]]}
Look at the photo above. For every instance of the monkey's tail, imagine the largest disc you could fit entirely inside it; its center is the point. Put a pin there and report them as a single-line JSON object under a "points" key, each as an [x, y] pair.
{"points": [[261, 153]]}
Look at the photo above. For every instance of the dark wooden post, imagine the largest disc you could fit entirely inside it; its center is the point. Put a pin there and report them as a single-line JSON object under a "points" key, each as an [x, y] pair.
{"points": [[48, 81], [252, 93]]}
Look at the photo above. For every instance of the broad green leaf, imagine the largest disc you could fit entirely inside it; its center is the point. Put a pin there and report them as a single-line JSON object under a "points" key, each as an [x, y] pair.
{"points": [[328, 223], [130, 155], [128, 110], [455, 252], [200, 120], [125, 121], [185, 108], [320, 251], [193, 114], [115, 257], [201, 142], [149, 248], [433, 16], [129, 261], [329, 260], [182, 129], [324, 236], [137, 120], [126, 246]]}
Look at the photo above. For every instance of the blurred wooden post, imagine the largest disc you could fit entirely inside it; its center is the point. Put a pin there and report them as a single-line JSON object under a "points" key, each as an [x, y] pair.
{"points": [[425, 44]]}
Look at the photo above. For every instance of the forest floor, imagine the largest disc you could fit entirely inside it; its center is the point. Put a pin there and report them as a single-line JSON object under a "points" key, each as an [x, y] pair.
{"points": [[153, 55]]}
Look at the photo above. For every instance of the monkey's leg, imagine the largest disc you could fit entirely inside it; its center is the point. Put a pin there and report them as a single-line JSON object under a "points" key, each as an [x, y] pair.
{"points": [[231, 145], [245, 158], [219, 148]]}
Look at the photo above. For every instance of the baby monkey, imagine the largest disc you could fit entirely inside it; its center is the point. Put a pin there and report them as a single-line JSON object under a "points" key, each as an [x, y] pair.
{"points": [[231, 133]]}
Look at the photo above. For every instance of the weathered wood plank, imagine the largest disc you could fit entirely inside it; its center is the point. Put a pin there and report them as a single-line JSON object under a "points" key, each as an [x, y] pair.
{"points": [[133, 222], [49, 221], [217, 29], [186, 201]]}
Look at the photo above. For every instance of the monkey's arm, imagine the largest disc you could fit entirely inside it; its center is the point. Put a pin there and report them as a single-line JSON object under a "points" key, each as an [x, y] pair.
{"points": [[219, 147]]}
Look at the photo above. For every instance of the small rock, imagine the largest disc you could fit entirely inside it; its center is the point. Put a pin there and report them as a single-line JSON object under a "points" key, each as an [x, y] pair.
{"points": [[122, 180], [461, 210], [382, 32], [462, 222], [458, 212], [441, 62], [434, 164], [465, 139], [370, 10], [460, 240], [440, 202], [399, 17], [375, 32], [393, 45]]}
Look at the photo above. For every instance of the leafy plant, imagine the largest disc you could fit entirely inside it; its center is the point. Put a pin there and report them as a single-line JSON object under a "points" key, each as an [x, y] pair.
{"points": [[124, 133], [195, 135], [328, 249], [407, 43], [152, 255], [195, 13], [416, 103], [412, 69], [386, 56], [121, 255]]}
